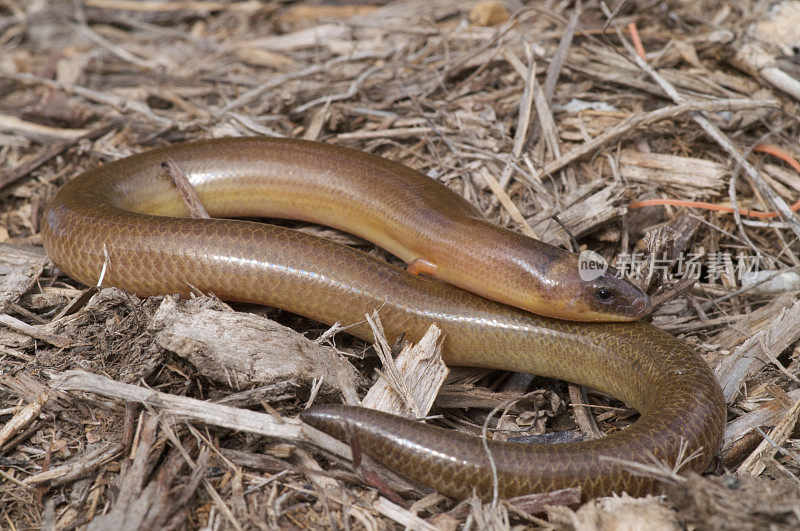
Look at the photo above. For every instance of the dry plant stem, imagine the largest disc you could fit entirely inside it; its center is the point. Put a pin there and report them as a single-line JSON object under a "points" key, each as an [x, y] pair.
{"points": [[672, 291], [120, 52], [782, 80], [529, 516], [163, 502], [773, 359], [253, 126], [456, 65], [117, 102], [215, 414], [28, 165], [766, 414], [351, 91], [24, 312], [637, 42], [507, 202], [556, 65], [756, 61], [400, 515], [391, 374], [266, 393], [321, 482], [34, 331], [754, 464], [398, 132], [644, 120], [179, 449], [536, 503], [576, 248], [546, 122], [736, 368], [22, 418], [207, 412], [20, 268], [187, 191], [778, 204], [421, 372], [14, 480], [16, 354], [43, 133], [525, 106], [492, 465], [779, 449], [611, 15], [135, 477], [583, 414], [462, 396], [189, 5], [277, 81], [78, 467], [737, 215]]}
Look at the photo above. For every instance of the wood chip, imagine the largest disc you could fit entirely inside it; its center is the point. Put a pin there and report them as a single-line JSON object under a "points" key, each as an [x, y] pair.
{"points": [[688, 177], [22, 418], [423, 372], [755, 464], [265, 352], [20, 267], [750, 356]]}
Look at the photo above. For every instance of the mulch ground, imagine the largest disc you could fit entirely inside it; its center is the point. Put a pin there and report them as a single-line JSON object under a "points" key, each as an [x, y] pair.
{"points": [[610, 116]]}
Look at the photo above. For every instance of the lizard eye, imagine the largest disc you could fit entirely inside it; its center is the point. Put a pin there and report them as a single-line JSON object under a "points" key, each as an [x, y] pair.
{"points": [[604, 294]]}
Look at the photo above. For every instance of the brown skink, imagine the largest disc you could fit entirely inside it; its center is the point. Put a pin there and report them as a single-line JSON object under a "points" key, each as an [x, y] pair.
{"points": [[408, 214], [127, 214]]}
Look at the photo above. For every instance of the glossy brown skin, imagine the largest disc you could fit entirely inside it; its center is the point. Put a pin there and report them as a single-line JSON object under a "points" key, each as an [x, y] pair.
{"points": [[399, 209], [674, 390]]}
